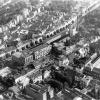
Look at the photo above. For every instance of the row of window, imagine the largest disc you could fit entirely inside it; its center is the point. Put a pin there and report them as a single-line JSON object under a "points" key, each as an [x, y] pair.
{"points": [[33, 43], [93, 74], [59, 30], [27, 46], [42, 53]]}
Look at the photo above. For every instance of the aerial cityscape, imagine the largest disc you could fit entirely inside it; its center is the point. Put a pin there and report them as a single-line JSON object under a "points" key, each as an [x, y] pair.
{"points": [[49, 49]]}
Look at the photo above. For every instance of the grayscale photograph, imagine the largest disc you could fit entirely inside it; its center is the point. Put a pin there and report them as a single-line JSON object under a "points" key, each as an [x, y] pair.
{"points": [[49, 49]]}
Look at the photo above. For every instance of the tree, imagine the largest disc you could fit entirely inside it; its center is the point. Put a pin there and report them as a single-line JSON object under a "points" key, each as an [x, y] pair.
{"points": [[15, 63], [55, 51], [7, 81], [92, 49], [55, 84]]}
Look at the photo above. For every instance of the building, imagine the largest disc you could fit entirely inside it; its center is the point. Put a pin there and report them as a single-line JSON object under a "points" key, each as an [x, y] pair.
{"points": [[70, 49], [28, 56], [40, 92], [93, 68], [42, 51], [63, 61]]}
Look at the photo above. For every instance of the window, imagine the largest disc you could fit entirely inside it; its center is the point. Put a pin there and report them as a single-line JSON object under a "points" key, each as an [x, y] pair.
{"points": [[45, 52], [23, 48], [36, 42], [8, 45], [66, 26], [36, 57], [31, 44], [29, 59], [40, 40], [27, 46], [26, 60], [32, 58], [8, 55], [42, 54], [12, 52], [72, 22], [48, 35], [54, 32], [39, 56], [17, 50], [57, 31], [61, 29], [69, 26], [51, 34]]}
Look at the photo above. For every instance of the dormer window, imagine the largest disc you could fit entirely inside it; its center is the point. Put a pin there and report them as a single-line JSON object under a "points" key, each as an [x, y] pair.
{"points": [[48, 35], [27, 46], [66, 26], [61, 29], [36, 42], [51, 34], [57, 31], [40, 40], [31, 44], [23, 48], [17, 50]]}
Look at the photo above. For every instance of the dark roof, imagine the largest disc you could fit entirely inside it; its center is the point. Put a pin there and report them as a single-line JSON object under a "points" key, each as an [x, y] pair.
{"points": [[94, 60], [40, 47], [96, 70]]}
